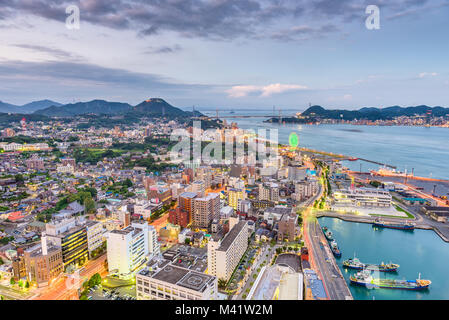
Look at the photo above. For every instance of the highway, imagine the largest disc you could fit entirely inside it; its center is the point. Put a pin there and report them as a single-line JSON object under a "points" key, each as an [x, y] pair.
{"points": [[322, 258]]}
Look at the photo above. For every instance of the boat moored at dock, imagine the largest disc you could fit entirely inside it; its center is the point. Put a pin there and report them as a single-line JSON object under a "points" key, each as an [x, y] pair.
{"points": [[356, 264], [399, 226], [364, 278]]}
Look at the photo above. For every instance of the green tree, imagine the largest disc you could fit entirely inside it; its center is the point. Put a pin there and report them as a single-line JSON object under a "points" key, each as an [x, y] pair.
{"points": [[12, 281]]}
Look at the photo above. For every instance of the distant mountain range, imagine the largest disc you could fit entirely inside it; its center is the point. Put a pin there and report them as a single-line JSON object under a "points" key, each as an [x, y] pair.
{"points": [[150, 107], [27, 108], [374, 113], [315, 113]]}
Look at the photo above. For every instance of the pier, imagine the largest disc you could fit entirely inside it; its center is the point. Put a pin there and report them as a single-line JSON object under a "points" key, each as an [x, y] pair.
{"points": [[420, 223]]}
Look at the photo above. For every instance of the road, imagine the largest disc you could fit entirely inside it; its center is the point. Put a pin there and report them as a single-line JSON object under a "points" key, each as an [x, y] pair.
{"points": [[65, 288], [261, 258], [322, 258]]}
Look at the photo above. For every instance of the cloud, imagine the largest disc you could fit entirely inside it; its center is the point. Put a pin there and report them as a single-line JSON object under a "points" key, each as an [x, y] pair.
{"points": [[54, 52], [427, 74], [163, 49], [212, 19], [69, 80], [263, 91]]}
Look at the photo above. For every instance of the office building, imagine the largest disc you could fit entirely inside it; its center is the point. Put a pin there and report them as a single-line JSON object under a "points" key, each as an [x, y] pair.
{"points": [[175, 283]]}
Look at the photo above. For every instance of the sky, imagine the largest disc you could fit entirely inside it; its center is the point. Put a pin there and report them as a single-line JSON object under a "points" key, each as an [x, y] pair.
{"points": [[218, 54]]}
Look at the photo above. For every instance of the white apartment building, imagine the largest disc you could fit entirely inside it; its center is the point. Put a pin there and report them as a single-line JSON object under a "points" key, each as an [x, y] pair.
{"points": [[129, 248], [94, 235], [175, 283], [224, 255]]}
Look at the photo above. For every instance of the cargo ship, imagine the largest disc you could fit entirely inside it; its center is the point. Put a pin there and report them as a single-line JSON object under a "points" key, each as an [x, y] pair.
{"points": [[364, 279], [405, 226], [335, 250], [355, 263]]}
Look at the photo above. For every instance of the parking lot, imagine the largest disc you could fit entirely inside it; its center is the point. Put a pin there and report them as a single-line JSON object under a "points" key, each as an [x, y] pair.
{"points": [[121, 293]]}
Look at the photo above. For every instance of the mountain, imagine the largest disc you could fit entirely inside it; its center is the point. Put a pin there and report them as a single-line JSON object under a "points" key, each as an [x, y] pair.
{"points": [[7, 108], [373, 113], [92, 107], [157, 106], [27, 108], [38, 105]]}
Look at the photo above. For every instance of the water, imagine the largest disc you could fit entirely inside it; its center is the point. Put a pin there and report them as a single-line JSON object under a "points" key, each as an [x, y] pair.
{"points": [[423, 149], [420, 251]]}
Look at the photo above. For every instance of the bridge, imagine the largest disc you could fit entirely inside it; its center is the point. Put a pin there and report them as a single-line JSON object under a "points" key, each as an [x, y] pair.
{"points": [[234, 116]]}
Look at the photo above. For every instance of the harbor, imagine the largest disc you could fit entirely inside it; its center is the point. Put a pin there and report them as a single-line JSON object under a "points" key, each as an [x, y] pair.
{"points": [[418, 252]]}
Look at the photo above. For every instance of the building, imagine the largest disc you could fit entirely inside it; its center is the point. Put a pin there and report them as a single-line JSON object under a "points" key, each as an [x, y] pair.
{"points": [[68, 162], [94, 235], [234, 195], [175, 283], [179, 217], [205, 210], [362, 197], [65, 169], [128, 248], [269, 192], [71, 236], [297, 173], [186, 202], [288, 228], [440, 214], [163, 195], [35, 163], [282, 281], [224, 255], [43, 263]]}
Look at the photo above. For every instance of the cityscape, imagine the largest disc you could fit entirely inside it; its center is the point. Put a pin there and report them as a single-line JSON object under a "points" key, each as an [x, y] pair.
{"points": [[135, 184]]}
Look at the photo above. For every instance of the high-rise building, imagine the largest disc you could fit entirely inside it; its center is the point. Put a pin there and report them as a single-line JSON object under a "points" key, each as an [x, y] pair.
{"points": [[205, 210], [234, 195], [186, 203], [224, 255], [128, 248], [94, 235]]}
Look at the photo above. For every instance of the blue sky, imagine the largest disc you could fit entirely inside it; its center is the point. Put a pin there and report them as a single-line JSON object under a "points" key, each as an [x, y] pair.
{"points": [[227, 53]]}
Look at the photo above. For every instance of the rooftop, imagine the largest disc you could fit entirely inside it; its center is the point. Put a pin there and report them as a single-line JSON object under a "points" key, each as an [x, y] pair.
{"points": [[232, 234]]}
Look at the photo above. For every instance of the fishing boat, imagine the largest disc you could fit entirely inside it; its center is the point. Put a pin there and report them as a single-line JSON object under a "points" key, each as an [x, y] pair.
{"points": [[327, 233], [335, 250], [364, 278], [356, 264]]}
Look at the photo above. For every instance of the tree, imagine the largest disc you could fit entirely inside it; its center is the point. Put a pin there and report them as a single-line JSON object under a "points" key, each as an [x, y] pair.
{"points": [[94, 280], [27, 285], [12, 281]]}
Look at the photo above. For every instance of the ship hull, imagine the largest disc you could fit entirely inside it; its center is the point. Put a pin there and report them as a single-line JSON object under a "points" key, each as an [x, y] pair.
{"points": [[371, 268], [372, 285], [397, 227]]}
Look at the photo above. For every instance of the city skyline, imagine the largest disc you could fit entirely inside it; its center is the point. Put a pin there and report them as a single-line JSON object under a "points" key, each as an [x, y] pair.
{"points": [[236, 54]]}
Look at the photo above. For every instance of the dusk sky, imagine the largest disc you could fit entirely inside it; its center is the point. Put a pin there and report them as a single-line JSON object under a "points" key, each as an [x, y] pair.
{"points": [[227, 53]]}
